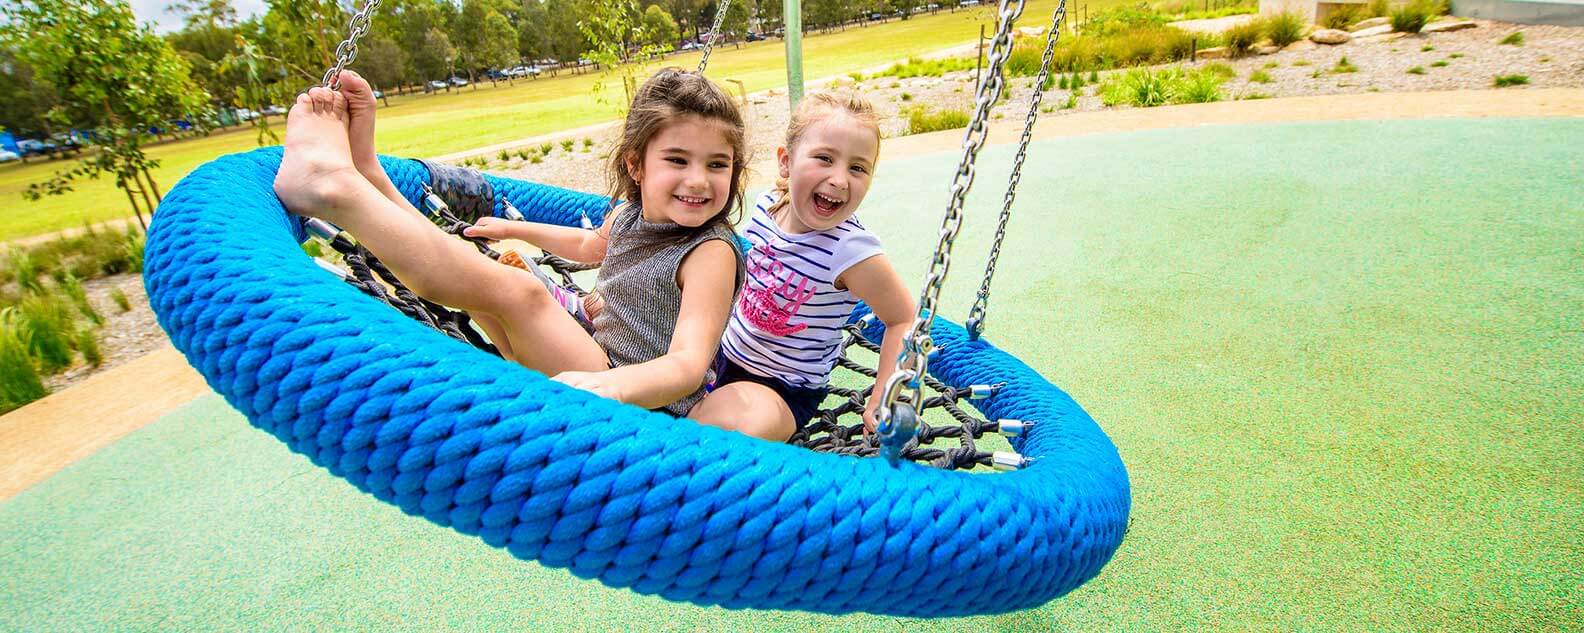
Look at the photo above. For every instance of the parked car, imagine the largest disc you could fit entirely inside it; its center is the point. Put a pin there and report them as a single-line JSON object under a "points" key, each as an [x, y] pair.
{"points": [[245, 114], [379, 94], [436, 84], [7, 156], [754, 37], [274, 110], [30, 146], [689, 46], [458, 82]]}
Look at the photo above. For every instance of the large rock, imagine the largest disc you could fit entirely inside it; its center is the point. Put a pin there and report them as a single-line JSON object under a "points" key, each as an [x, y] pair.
{"points": [[1267, 49], [1330, 36], [1219, 52], [1372, 31], [1447, 26], [1300, 45], [1369, 24]]}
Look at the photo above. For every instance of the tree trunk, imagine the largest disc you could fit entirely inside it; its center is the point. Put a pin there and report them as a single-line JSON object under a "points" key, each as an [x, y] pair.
{"points": [[135, 209], [160, 197]]}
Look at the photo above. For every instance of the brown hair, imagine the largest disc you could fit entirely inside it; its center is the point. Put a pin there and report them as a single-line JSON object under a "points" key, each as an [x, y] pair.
{"points": [[672, 93], [815, 108]]}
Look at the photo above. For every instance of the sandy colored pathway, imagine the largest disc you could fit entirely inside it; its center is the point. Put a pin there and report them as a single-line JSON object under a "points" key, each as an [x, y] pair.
{"points": [[42, 438]]}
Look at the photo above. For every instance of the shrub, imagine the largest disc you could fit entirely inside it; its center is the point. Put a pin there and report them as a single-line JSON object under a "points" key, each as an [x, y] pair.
{"points": [[88, 345], [1515, 38], [25, 270], [1197, 88], [1426, 48], [566, 146], [916, 67], [1025, 58], [1440, 63], [1454, 55], [1284, 28], [1412, 17], [1378, 8], [1094, 76], [1503, 81], [1251, 96], [1240, 39], [1344, 66], [1260, 77], [588, 143], [120, 299], [1416, 70], [546, 148], [921, 120], [1140, 87], [79, 297], [1301, 62], [536, 159], [1076, 82], [504, 156], [524, 154], [906, 97], [1344, 16], [47, 328], [1063, 83], [1072, 101], [1220, 70], [1050, 82], [19, 378]]}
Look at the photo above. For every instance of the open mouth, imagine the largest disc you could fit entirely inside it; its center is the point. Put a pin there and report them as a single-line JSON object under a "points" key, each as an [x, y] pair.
{"points": [[827, 205], [692, 201]]}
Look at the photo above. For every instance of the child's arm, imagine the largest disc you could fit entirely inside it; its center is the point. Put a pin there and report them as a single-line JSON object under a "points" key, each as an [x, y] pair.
{"points": [[707, 276], [576, 244], [875, 282]]}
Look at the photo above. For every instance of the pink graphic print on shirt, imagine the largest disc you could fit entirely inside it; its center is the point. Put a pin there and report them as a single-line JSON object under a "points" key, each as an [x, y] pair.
{"points": [[762, 306]]}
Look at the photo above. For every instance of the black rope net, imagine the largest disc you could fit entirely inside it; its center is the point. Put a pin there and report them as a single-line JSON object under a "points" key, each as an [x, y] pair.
{"points": [[958, 439]]}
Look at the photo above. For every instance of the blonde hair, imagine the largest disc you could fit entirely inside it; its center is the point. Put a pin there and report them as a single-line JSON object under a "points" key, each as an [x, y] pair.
{"points": [[815, 108], [671, 93]]}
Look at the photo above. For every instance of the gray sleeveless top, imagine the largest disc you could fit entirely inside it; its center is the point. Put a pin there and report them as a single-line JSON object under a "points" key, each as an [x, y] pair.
{"points": [[638, 281]]}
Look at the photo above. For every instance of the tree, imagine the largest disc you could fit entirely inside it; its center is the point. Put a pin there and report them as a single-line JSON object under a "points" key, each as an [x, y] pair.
{"points": [[498, 46], [381, 61], [659, 29], [303, 34], [768, 14], [209, 14], [735, 24], [24, 101], [436, 56], [109, 76]]}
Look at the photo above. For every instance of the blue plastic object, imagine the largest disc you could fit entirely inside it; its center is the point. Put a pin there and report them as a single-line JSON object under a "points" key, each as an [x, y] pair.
{"points": [[610, 491]]}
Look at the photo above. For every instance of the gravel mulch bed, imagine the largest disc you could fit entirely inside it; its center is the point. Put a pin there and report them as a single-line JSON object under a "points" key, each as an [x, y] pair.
{"points": [[125, 336]]}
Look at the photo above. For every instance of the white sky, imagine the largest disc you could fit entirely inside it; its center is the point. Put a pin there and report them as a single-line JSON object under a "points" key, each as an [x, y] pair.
{"points": [[165, 21]]}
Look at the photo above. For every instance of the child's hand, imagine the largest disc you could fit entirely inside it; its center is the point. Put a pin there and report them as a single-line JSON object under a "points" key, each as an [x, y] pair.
{"points": [[870, 424], [595, 382], [489, 228]]}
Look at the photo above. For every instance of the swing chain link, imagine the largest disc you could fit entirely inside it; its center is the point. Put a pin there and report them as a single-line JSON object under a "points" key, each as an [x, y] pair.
{"points": [[720, 16], [977, 314], [347, 50], [895, 430]]}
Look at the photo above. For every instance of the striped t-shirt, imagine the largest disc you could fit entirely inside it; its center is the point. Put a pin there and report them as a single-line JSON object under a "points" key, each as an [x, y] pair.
{"points": [[787, 322]]}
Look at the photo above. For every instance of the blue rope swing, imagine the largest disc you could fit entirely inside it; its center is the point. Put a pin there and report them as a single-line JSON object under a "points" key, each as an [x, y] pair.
{"points": [[607, 490]]}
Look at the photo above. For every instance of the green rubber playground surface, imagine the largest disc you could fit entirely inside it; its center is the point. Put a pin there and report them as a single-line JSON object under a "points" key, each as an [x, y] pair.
{"points": [[1342, 362]]}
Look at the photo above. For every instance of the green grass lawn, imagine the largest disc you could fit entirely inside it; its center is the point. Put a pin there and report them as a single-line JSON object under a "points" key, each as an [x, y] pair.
{"points": [[431, 125], [1346, 385]]}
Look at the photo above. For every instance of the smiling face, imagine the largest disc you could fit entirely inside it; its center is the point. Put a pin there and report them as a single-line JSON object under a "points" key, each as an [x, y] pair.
{"points": [[828, 172], [685, 176]]}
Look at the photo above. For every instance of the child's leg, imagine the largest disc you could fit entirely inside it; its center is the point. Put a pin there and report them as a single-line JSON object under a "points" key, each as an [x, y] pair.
{"points": [[748, 408], [360, 129], [317, 178], [496, 332]]}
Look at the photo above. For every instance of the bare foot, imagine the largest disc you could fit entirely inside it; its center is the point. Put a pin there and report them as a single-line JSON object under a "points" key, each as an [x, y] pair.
{"points": [[360, 129], [317, 173]]}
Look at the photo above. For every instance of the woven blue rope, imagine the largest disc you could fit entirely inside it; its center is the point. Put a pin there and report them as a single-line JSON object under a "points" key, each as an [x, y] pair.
{"points": [[610, 491]]}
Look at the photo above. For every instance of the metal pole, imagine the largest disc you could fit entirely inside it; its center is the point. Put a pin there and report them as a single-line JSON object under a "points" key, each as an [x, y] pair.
{"points": [[792, 19]]}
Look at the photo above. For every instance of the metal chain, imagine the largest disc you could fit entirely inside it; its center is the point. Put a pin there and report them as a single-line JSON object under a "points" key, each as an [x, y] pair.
{"points": [[976, 315], [720, 16], [347, 50], [899, 421]]}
